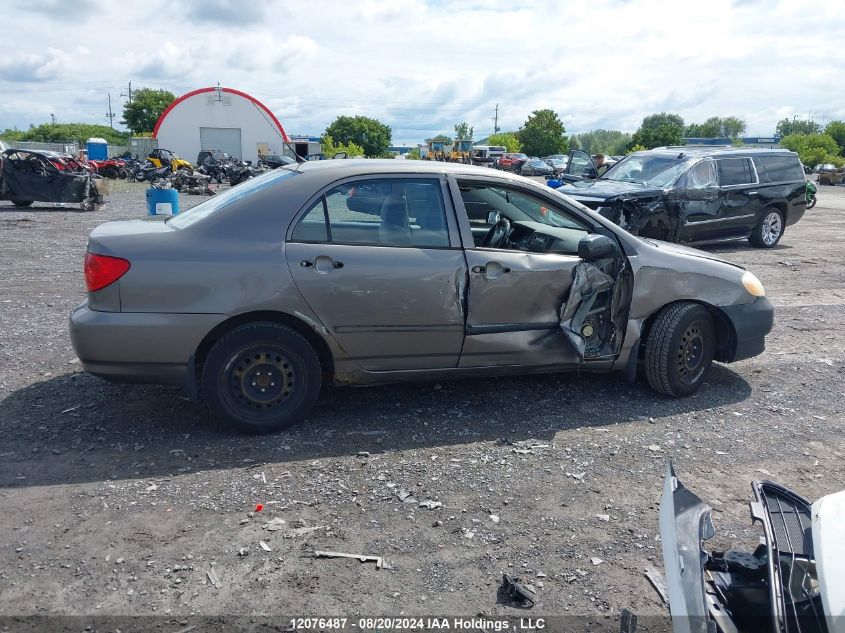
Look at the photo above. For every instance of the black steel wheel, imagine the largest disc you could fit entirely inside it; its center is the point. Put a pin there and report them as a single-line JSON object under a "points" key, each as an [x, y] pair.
{"points": [[680, 349], [261, 377]]}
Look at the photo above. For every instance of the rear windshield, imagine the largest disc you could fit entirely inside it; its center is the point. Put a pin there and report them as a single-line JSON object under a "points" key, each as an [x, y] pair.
{"points": [[778, 168], [223, 200]]}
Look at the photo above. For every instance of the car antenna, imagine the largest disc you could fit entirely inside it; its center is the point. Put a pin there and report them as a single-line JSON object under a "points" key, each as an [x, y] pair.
{"points": [[681, 155], [299, 159]]}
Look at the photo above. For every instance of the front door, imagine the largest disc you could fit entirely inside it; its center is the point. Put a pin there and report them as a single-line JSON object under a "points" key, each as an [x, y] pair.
{"points": [[375, 260], [579, 167], [516, 296]]}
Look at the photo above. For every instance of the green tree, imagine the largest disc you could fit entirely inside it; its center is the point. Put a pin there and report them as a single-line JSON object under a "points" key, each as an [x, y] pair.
{"points": [[813, 148], [657, 130], [608, 142], [63, 132], [445, 138], [634, 148], [330, 148], [413, 154], [370, 134], [508, 140], [788, 127], [463, 131], [716, 127], [141, 114], [542, 134], [836, 130]]}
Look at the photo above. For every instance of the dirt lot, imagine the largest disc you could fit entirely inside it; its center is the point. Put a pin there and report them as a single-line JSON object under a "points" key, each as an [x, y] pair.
{"points": [[120, 499]]}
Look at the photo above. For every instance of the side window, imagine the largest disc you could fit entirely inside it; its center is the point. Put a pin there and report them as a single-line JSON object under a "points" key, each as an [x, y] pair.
{"points": [[581, 165], [734, 171], [390, 212], [702, 175], [778, 168]]}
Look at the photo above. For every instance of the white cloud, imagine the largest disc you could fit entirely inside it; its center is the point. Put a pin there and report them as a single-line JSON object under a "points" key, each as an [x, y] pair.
{"points": [[421, 66]]}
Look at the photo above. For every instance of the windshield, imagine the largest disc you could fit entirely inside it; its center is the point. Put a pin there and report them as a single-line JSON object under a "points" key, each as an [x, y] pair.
{"points": [[222, 200], [648, 169]]}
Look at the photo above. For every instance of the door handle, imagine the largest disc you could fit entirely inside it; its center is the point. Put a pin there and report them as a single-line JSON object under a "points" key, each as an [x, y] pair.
{"points": [[306, 263], [492, 269]]}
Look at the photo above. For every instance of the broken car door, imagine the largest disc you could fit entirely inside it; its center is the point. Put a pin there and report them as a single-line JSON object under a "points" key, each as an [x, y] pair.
{"points": [[699, 201], [521, 303], [579, 167], [374, 259]]}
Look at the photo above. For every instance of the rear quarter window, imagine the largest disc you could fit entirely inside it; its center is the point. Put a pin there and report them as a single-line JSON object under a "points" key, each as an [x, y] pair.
{"points": [[779, 168]]}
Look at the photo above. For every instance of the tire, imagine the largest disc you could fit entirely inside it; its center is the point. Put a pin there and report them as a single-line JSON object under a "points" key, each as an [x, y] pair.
{"points": [[22, 203], [110, 173], [812, 202], [769, 229], [680, 349], [253, 358]]}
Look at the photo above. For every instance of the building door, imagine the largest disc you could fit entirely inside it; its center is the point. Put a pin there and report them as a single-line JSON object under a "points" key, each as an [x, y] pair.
{"points": [[225, 139]]}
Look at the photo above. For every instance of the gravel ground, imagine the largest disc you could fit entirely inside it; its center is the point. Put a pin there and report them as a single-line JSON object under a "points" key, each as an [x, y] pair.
{"points": [[120, 499]]}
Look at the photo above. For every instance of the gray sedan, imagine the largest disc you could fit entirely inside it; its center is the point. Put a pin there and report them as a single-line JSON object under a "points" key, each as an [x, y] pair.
{"points": [[361, 272]]}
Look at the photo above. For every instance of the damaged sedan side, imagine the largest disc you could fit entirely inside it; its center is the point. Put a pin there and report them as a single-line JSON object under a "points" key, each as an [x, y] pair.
{"points": [[28, 176]]}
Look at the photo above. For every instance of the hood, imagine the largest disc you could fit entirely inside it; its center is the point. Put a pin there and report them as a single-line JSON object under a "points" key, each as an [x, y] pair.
{"points": [[608, 189], [686, 250]]}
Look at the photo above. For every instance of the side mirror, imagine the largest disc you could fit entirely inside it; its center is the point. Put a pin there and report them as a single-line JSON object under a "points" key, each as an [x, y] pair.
{"points": [[493, 217], [594, 246]]}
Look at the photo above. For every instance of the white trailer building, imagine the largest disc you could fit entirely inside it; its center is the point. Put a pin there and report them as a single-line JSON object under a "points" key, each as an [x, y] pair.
{"points": [[220, 118]]}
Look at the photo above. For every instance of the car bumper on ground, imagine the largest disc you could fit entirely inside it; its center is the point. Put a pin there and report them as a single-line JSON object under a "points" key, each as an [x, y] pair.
{"points": [[138, 346], [751, 323]]}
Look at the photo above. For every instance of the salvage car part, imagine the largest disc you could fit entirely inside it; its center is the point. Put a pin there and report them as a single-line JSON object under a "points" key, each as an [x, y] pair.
{"points": [[792, 581], [28, 176]]}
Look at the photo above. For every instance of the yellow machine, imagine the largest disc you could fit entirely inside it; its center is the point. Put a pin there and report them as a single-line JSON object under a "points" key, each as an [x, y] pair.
{"points": [[162, 157], [461, 152], [438, 150]]}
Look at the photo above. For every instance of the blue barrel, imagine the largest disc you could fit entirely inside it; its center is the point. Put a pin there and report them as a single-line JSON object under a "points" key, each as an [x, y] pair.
{"points": [[162, 201]]}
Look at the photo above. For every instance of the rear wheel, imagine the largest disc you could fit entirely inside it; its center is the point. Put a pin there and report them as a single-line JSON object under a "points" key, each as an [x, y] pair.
{"points": [[769, 229], [680, 349], [110, 172], [261, 377]]}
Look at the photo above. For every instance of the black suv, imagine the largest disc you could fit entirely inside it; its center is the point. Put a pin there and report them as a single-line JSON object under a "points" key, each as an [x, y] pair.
{"points": [[695, 194]]}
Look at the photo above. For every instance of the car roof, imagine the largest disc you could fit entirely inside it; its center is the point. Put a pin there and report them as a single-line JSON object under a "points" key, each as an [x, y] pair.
{"points": [[343, 168], [712, 150]]}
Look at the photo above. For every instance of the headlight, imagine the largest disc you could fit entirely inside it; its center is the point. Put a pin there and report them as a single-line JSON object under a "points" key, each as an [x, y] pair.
{"points": [[752, 284]]}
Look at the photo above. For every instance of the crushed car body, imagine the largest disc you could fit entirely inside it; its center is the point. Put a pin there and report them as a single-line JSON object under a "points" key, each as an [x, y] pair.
{"points": [[793, 581], [28, 176]]}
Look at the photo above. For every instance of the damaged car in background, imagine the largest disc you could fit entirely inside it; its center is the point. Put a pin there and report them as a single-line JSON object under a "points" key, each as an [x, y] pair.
{"points": [[695, 193], [364, 272], [793, 581], [28, 176]]}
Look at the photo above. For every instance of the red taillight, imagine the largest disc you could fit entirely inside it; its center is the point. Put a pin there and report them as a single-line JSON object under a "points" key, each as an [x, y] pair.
{"points": [[102, 270]]}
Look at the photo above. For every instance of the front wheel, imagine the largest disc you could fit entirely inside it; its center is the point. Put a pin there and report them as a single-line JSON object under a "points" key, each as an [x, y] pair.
{"points": [[680, 349], [811, 202], [769, 229], [261, 377]]}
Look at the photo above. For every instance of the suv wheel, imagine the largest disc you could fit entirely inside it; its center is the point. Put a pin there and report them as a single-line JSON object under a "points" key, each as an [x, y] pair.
{"points": [[680, 349], [769, 229], [261, 377]]}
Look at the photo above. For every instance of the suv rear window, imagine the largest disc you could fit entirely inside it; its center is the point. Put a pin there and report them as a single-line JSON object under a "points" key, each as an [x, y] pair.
{"points": [[734, 171], [779, 168]]}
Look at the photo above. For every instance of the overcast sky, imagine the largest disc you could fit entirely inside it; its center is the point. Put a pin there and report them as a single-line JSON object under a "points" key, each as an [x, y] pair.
{"points": [[421, 66]]}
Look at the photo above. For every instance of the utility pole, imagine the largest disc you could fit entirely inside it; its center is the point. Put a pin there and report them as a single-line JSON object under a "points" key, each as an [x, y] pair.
{"points": [[496, 120], [52, 118], [128, 94], [110, 114]]}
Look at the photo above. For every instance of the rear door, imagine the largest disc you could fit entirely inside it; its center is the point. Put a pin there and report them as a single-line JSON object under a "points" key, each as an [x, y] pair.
{"points": [[380, 263], [739, 196]]}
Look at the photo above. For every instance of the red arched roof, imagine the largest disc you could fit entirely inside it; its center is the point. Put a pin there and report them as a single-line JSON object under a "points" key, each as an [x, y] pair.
{"points": [[229, 90]]}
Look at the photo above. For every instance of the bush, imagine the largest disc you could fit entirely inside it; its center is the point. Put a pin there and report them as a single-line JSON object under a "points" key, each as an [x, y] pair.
{"points": [[813, 149]]}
